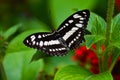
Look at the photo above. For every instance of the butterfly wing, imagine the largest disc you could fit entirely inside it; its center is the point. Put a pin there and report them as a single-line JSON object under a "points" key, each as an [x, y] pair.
{"points": [[69, 35], [46, 42], [73, 28]]}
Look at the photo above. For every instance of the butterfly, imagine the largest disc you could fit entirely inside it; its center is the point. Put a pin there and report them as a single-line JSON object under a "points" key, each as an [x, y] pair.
{"points": [[67, 37]]}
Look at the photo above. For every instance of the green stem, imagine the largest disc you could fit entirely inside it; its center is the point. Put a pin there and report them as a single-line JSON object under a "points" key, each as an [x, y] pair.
{"points": [[100, 64], [99, 56], [2, 72], [110, 11]]}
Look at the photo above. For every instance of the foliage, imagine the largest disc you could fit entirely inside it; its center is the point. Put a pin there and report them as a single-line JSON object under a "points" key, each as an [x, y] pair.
{"points": [[79, 73], [17, 62]]}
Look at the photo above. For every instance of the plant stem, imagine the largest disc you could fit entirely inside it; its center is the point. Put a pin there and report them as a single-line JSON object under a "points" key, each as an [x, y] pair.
{"points": [[110, 11], [100, 64], [2, 72]]}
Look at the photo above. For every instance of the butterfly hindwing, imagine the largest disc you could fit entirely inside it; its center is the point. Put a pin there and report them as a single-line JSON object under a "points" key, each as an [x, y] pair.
{"points": [[46, 42], [73, 28]]}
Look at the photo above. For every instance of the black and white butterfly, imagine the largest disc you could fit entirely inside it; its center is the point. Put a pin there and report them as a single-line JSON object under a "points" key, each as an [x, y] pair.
{"points": [[67, 37]]}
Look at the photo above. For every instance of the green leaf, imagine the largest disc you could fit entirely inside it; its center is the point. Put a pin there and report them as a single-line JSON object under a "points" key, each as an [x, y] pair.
{"points": [[91, 39], [16, 45], [96, 25], [53, 63], [60, 13], [115, 55], [115, 37], [115, 44], [18, 66], [11, 30], [79, 73], [39, 55], [72, 73], [101, 76]]}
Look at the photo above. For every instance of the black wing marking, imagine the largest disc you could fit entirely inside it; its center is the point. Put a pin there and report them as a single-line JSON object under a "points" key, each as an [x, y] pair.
{"points": [[73, 28], [68, 36], [46, 42]]}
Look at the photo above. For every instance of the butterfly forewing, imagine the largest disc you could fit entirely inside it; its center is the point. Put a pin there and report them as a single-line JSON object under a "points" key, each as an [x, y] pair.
{"points": [[68, 36], [46, 42], [72, 29]]}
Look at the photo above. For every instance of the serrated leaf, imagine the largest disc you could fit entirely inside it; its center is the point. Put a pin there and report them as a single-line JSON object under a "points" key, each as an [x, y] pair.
{"points": [[96, 25], [12, 30], [101, 76], [91, 39], [115, 37], [72, 73]]}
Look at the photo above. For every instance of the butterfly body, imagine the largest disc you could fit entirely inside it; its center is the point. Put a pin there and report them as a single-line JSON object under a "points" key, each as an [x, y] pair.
{"points": [[67, 37]]}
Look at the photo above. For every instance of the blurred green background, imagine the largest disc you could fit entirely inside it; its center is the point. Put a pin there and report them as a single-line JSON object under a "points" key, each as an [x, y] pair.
{"points": [[20, 18], [49, 12]]}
